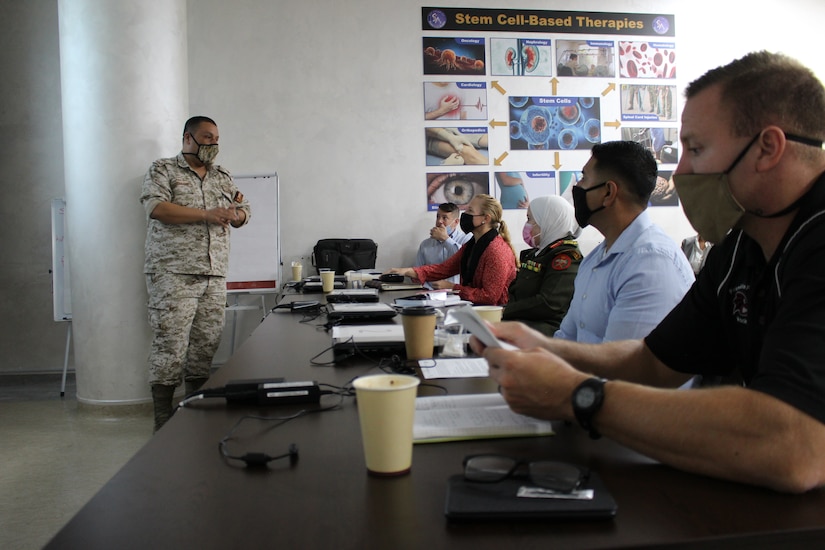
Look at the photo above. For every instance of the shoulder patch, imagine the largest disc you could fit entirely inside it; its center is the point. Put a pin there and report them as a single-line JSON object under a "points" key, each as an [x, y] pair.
{"points": [[561, 262]]}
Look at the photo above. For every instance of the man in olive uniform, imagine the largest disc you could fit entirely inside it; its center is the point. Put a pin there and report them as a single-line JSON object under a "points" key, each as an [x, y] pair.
{"points": [[190, 203]]}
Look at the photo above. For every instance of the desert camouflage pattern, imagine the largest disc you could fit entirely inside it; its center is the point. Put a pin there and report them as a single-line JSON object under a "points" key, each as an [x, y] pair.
{"points": [[190, 248], [186, 314], [186, 267]]}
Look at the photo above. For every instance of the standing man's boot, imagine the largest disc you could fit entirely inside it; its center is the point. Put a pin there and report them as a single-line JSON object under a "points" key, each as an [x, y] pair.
{"points": [[162, 399], [194, 385]]}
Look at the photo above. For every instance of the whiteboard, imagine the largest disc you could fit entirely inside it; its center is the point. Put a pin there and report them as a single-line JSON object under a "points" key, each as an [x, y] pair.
{"points": [[61, 283], [255, 248]]}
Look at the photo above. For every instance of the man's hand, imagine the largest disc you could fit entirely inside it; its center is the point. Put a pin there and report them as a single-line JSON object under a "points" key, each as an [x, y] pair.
{"points": [[534, 382], [439, 234], [518, 334]]}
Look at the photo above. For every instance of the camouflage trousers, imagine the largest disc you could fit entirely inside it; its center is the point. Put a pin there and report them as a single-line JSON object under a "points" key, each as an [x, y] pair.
{"points": [[186, 315]]}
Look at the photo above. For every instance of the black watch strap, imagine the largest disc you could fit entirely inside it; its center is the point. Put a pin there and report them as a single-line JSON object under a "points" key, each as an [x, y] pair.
{"points": [[587, 400]]}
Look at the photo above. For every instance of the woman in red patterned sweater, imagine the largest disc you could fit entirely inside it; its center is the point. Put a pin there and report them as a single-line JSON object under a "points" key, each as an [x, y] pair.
{"points": [[486, 263]]}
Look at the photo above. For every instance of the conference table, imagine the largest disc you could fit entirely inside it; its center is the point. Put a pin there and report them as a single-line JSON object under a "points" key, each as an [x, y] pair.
{"points": [[178, 491]]}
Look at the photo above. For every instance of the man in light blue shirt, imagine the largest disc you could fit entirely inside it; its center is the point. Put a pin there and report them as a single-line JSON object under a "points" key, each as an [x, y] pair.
{"points": [[445, 238], [633, 278]]}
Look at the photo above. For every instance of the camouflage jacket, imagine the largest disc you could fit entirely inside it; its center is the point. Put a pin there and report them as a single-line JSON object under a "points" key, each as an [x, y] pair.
{"points": [[189, 248]]}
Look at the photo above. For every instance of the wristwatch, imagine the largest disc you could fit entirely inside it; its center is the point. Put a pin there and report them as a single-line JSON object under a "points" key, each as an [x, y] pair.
{"points": [[587, 399]]}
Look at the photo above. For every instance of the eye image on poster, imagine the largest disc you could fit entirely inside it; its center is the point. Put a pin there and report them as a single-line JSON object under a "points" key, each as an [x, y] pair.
{"points": [[585, 58], [455, 101], [664, 194], [648, 102], [662, 142], [459, 56], [520, 57], [552, 123], [647, 59], [514, 189], [458, 188], [457, 146]]}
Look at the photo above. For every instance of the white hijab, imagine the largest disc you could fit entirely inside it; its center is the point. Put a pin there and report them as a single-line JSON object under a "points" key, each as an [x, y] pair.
{"points": [[555, 217]]}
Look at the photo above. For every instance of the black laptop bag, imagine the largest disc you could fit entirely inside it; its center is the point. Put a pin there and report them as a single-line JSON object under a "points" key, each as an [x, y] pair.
{"points": [[344, 255]]}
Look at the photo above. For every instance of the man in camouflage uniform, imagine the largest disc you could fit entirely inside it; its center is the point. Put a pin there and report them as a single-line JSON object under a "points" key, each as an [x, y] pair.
{"points": [[190, 204]]}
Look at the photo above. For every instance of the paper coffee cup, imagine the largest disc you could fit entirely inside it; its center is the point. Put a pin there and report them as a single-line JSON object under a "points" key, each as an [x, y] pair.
{"points": [[386, 411], [419, 331], [491, 314], [327, 280], [297, 271]]}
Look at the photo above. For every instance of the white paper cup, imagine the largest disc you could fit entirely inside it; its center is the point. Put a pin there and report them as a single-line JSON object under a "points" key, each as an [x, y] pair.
{"points": [[489, 313], [327, 280], [386, 410], [297, 271]]}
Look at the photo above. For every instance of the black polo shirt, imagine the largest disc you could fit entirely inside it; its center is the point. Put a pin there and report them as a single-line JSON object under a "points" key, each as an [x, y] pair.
{"points": [[756, 323]]}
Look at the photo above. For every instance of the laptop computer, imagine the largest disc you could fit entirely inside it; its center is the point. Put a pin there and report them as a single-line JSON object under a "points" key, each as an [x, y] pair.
{"points": [[352, 295], [313, 283], [360, 312], [470, 501], [385, 339]]}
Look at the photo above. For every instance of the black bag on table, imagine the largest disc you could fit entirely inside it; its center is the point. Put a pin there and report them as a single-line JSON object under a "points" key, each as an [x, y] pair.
{"points": [[344, 255]]}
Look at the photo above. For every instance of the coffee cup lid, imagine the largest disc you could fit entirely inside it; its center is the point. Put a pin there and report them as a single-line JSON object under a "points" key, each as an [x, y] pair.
{"points": [[418, 310]]}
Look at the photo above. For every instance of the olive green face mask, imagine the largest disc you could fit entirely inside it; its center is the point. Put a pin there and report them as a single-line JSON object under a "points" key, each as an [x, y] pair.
{"points": [[709, 204]]}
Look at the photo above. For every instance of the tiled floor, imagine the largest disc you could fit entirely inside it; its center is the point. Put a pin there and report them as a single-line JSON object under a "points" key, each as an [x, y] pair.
{"points": [[54, 457]]}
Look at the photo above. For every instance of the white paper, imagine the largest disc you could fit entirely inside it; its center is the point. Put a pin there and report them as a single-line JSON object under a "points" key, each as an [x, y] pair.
{"points": [[473, 367], [473, 416]]}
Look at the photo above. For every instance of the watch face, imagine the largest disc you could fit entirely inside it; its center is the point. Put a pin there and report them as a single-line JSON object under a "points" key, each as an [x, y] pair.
{"points": [[585, 397]]}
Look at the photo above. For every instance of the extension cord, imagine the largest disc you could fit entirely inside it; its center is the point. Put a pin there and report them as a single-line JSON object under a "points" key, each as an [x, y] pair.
{"points": [[271, 391]]}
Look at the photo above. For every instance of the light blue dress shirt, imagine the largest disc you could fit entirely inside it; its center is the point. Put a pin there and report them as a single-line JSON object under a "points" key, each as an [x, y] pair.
{"points": [[625, 292], [432, 251]]}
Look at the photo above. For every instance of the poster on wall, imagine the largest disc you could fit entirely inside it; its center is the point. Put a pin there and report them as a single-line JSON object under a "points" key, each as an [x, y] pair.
{"points": [[525, 94]]}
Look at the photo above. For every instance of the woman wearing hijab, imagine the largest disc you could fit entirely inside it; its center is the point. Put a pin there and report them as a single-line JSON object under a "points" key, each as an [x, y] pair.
{"points": [[486, 263], [541, 293]]}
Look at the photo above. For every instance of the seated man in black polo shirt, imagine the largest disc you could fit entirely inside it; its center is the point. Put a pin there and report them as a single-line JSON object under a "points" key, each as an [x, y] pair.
{"points": [[752, 134]]}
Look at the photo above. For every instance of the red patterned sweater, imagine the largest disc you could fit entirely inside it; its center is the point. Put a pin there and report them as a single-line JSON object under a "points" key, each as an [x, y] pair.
{"points": [[496, 270]]}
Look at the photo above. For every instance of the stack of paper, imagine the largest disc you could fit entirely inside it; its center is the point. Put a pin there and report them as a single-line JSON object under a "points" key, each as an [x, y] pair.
{"points": [[473, 416]]}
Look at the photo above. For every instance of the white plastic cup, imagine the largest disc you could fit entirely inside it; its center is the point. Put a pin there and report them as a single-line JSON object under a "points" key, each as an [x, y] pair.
{"points": [[386, 411], [327, 280], [490, 314], [297, 271]]}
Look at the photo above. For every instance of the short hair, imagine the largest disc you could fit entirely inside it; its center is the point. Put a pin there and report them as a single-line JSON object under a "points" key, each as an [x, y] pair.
{"points": [[629, 163], [449, 207], [765, 88], [194, 123]]}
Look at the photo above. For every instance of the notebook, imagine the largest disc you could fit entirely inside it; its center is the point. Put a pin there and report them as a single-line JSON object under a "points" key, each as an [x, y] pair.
{"points": [[360, 312], [469, 501]]}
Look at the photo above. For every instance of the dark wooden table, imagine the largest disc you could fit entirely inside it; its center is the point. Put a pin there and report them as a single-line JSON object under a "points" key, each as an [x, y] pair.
{"points": [[178, 491]]}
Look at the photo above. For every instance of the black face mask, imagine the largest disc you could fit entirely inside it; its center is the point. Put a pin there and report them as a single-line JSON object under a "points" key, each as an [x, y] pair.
{"points": [[581, 210], [466, 222]]}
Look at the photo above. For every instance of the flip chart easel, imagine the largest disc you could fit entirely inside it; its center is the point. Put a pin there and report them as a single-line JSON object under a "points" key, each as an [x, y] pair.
{"points": [[61, 281]]}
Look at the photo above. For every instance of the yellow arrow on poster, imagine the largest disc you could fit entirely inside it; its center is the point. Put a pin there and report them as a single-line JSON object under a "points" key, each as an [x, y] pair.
{"points": [[557, 164], [555, 84], [610, 88], [494, 123], [503, 156], [495, 85], [613, 124]]}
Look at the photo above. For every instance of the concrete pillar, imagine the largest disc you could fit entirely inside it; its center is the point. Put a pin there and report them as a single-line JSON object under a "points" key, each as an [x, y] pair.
{"points": [[125, 98]]}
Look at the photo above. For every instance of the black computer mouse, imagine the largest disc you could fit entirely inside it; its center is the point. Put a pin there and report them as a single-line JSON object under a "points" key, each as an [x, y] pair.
{"points": [[391, 278]]}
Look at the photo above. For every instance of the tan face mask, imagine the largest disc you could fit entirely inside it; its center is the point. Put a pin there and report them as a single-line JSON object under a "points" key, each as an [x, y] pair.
{"points": [[707, 200], [708, 204]]}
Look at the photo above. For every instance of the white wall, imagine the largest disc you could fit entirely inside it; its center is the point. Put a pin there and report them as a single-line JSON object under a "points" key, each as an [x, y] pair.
{"points": [[327, 94]]}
